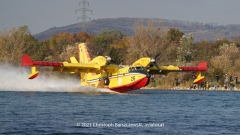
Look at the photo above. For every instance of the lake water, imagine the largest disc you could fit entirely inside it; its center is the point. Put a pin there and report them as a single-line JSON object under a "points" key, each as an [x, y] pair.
{"points": [[138, 112]]}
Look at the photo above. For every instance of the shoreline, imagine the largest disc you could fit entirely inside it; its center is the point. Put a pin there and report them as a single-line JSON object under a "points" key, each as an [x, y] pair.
{"points": [[187, 88]]}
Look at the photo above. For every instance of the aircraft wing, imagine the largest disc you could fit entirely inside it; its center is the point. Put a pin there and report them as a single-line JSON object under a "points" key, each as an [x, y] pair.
{"points": [[166, 69], [59, 66]]}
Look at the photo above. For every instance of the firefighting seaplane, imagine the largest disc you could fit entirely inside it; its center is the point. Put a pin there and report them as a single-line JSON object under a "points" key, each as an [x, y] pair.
{"points": [[101, 73]]}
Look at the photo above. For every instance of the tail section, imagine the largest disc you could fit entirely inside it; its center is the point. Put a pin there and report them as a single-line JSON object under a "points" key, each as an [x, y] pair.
{"points": [[84, 57], [199, 78], [26, 61], [201, 67]]}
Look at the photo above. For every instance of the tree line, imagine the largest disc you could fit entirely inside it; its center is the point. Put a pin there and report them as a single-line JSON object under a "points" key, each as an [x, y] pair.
{"points": [[174, 47]]}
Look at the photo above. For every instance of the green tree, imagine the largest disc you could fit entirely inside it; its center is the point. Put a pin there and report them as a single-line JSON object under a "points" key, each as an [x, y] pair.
{"points": [[12, 44], [73, 38], [148, 38], [42, 51], [83, 37], [107, 37], [174, 35], [120, 50], [30, 44], [185, 51], [227, 60]]}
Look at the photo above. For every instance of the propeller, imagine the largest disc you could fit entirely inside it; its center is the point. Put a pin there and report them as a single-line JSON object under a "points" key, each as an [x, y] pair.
{"points": [[153, 60], [109, 60]]}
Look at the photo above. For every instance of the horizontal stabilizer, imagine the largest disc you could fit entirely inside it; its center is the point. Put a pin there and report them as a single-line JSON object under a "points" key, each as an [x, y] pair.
{"points": [[73, 60]]}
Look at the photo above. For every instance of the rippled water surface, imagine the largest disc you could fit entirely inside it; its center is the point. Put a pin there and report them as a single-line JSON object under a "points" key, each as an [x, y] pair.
{"points": [[137, 112]]}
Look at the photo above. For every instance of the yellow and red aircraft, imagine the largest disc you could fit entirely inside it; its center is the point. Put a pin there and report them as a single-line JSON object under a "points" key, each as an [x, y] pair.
{"points": [[100, 73]]}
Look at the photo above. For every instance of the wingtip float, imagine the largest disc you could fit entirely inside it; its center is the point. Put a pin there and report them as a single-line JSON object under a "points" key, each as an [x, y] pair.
{"points": [[101, 73]]}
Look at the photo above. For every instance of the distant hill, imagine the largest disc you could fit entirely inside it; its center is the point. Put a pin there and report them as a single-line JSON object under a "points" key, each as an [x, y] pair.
{"points": [[201, 31]]}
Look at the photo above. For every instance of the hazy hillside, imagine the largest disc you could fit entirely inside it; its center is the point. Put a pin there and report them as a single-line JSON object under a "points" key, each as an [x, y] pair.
{"points": [[201, 31]]}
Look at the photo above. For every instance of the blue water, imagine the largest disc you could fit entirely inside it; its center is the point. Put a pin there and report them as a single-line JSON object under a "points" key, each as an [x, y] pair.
{"points": [[168, 112]]}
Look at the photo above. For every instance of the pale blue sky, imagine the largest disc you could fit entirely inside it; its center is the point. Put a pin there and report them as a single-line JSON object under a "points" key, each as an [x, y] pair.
{"points": [[40, 15]]}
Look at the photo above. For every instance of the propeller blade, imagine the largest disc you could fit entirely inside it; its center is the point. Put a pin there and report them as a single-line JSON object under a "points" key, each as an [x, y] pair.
{"points": [[148, 54], [157, 55], [153, 60], [157, 66]]}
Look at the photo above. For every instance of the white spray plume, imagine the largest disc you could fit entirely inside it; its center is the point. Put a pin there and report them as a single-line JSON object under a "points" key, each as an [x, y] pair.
{"points": [[16, 79]]}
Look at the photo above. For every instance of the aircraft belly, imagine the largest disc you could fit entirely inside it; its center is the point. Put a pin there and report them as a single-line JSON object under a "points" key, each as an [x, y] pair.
{"points": [[127, 82]]}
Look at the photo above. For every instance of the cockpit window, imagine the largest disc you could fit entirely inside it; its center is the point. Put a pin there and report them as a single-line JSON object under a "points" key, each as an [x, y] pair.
{"points": [[137, 68]]}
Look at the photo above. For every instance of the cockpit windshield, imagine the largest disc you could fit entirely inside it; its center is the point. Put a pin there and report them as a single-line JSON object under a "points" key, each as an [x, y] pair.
{"points": [[136, 68]]}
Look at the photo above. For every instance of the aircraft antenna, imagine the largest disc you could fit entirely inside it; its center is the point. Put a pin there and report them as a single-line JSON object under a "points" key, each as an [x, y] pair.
{"points": [[84, 17]]}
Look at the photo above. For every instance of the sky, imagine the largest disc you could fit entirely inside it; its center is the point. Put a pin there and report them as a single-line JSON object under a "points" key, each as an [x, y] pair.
{"points": [[40, 15]]}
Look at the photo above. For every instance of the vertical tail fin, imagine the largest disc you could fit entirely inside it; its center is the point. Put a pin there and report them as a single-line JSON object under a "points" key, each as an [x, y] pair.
{"points": [[84, 57]]}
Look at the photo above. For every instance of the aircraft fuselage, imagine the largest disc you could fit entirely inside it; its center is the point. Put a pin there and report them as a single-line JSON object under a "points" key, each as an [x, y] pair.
{"points": [[126, 79]]}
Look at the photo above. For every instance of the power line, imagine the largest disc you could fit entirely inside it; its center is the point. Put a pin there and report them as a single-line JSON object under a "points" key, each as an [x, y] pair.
{"points": [[84, 16]]}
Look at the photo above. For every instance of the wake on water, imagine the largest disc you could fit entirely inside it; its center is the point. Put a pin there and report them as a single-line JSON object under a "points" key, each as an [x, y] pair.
{"points": [[16, 79]]}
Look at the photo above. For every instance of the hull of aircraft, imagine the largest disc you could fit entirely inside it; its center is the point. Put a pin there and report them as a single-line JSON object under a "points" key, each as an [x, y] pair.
{"points": [[121, 82], [132, 86]]}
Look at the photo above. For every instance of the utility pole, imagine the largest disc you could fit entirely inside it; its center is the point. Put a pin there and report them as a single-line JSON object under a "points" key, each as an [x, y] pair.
{"points": [[84, 16]]}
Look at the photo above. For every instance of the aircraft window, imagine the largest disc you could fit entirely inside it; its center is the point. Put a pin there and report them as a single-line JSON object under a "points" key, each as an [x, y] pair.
{"points": [[132, 69], [139, 67], [136, 68]]}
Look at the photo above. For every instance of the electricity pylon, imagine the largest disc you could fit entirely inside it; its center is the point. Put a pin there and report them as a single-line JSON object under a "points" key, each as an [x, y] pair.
{"points": [[84, 16]]}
